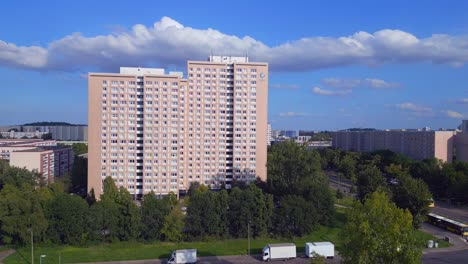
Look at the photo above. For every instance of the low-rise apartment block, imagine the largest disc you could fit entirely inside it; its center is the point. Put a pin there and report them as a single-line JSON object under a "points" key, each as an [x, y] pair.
{"points": [[44, 156], [416, 144], [7, 146], [50, 162]]}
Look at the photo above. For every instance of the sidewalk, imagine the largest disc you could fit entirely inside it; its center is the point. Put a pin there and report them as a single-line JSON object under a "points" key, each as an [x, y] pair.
{"points": [[458, 243]]}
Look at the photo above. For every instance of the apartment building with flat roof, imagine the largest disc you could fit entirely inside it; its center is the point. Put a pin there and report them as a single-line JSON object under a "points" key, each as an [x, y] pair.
{"points": [[416, 144], [156, 131], [7, 146], [71, 132], [50, 162]]}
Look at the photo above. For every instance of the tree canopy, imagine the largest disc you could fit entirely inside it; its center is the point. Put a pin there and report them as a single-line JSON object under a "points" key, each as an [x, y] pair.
{"points": [[379, 232]]}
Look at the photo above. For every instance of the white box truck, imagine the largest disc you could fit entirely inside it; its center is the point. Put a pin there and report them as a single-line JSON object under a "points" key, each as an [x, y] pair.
{"points": [[324, 249], [183, 256], [279, 251]]}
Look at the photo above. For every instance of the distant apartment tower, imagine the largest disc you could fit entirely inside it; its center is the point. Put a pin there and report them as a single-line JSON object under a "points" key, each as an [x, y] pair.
{"points": [[156, 131], [71, 132], [412, 143], [269, 138]]}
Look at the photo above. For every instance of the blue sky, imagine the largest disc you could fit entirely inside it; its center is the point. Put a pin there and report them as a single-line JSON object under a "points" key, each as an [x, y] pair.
{"points": [[333, 64]]}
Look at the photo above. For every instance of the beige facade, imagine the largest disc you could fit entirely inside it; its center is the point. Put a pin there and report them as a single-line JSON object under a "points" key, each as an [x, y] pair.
{"points": [[152, 131], [50, 162], [414, 144], [7, 146], [40, 160]]}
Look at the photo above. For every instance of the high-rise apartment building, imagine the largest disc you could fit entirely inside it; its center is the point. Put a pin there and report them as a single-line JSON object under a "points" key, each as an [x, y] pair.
{"points": [[156, 131]]}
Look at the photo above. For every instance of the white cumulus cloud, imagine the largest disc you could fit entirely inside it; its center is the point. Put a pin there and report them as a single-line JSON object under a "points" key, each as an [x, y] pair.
{"points": [[462, 101], [354, 83], [320, 91], [413, 107], [452, 114], [170, 43], [292, 114]]}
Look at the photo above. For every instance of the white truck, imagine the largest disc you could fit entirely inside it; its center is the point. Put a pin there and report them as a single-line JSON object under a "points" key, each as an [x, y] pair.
{"points": [[324, 249], [281, 251], [183, 256]]}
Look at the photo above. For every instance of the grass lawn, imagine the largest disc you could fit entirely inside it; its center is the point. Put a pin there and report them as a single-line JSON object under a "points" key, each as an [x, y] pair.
{"points": [[346, 201], [135, 250], [424, 237]]}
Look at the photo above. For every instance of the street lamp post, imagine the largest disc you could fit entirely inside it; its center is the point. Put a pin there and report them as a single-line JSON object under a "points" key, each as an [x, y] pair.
{"points": [[40, 259], [248, 234], [32, 246]]}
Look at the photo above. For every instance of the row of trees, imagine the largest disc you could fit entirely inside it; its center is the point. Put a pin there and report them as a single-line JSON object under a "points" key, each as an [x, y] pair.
{"points": [[293, 202], [382, 171], [445, 180]]}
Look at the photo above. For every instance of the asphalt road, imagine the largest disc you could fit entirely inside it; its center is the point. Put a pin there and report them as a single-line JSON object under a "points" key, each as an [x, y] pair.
{"points": [[456, 257], [451, 211], [244, 259]]}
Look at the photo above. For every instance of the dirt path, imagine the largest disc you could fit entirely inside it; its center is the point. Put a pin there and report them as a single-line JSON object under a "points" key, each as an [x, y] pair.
{"points": [[6, 253]]}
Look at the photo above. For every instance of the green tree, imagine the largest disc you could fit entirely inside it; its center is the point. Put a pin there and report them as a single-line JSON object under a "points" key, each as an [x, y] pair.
{"points": [[414, 195], [369, 180], [21, 208], [153, 213], [67, 219], [129, 217], [249, 206], [103, 221], [17, 176], [91, 197], [207, 214], [348, 166], [379, 232], [110, 190], [288, 165], [295, 216], [316, 192], [173, 226], [79, 148]]}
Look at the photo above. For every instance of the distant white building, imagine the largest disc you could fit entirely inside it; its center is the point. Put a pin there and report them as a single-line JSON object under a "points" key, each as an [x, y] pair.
{"points": [[269, 139]]}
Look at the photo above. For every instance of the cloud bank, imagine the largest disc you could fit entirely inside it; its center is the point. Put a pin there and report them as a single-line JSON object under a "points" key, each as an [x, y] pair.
{"points": [[293, 114], [413, 108], [168, 42], [321, 91], [354, 83], [452, 114]]}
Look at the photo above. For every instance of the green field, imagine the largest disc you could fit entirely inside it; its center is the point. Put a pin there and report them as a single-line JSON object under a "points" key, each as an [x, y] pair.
{"points": [[138, 251], [135, 250], [346, 201]]}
